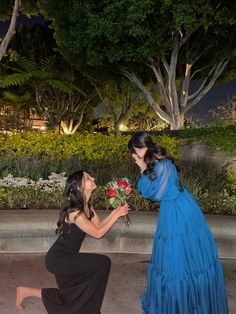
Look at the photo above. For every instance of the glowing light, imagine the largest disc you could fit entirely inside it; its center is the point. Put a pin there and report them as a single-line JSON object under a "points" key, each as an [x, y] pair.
{"points": [[123, 127]]}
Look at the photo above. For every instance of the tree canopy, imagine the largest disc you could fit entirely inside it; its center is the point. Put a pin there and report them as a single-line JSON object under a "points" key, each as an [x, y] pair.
{"points": [[141, 30], [170, 41]]}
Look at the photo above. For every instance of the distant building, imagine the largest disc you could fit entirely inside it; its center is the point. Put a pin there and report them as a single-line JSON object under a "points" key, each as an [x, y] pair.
{"points": [[23, 120]]}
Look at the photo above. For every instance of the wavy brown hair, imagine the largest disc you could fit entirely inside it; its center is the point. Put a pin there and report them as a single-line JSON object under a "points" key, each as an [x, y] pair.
{"points": [[75, 199]]}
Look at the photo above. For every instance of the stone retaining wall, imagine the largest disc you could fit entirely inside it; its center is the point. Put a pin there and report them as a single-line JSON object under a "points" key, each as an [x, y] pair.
{"points": [[34, 231]]}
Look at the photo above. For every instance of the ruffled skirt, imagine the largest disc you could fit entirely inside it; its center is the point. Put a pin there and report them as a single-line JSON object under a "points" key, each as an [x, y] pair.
{"points": [[184, 275]]}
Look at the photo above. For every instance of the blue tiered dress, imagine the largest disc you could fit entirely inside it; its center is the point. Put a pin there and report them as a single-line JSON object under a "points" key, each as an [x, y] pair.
{"points": [[184, 274]]}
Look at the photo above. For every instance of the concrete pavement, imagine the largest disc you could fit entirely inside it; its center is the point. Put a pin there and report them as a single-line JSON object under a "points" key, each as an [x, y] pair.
{"points": [[29, 231], [126, 283]]}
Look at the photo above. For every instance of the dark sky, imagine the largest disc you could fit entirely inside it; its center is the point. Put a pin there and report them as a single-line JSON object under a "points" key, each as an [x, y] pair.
{"points": [[21, 19], [219, 94]]}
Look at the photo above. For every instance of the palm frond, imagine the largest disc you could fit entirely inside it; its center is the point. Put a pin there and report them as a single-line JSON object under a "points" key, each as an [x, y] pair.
{"points": [[43, 75], [14, 98], [64, 86], [10, 67], [10, 96], [26, 64], [16, 79], [75, 88], [48, 64]]}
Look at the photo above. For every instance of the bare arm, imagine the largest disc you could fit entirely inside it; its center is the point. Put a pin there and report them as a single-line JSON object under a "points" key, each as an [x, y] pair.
{"points": [[98, 232], [98, 222]]}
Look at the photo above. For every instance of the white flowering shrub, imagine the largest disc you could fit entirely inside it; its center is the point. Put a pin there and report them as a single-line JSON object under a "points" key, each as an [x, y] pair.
{"points": [[20, 192], [16, 182], [23, 192], [53, 182]]}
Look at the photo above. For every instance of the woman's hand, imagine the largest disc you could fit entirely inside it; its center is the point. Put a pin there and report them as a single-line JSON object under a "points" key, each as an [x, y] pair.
{"points": [[122, 210], [140, 162], [99, 230]]}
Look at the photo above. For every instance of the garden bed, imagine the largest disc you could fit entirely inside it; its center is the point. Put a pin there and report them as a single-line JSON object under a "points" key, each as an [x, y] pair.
{"points": [[34, 168]]}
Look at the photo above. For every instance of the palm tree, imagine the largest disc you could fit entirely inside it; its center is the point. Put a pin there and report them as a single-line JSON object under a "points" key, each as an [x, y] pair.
{"points": [[52, 89]]}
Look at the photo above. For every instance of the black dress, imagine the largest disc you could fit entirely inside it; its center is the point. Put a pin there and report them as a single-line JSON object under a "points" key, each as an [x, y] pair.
{"points": [[81, 277]]}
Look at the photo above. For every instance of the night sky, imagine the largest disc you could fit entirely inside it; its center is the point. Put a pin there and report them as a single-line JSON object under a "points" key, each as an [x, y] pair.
{"points": [[219, 94], [21, 19]]}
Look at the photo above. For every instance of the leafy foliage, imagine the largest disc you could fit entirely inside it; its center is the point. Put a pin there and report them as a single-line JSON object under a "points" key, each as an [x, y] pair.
{"points": [[137, 30], [218, 203], [224, 114], [37, 155], [106, 157], [118, 98], [170, 42], [217, 138], [29, 8], [87, 145]]}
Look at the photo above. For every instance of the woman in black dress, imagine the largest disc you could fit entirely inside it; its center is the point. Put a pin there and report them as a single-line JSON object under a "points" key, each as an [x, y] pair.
{"points": [[81, 277]]}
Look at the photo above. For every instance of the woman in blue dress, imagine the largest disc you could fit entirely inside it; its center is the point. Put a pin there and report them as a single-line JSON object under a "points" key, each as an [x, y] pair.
{"points": [[184, 275]]}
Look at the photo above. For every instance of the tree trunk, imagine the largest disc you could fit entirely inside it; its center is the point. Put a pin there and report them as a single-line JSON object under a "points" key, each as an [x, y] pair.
{"points": [[116, 128], [68, 127], [177, 123], [176, 101], [12, 29]]}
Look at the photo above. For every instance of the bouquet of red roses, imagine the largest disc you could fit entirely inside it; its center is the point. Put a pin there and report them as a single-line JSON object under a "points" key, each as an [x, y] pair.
{"points": [[118, 191]]}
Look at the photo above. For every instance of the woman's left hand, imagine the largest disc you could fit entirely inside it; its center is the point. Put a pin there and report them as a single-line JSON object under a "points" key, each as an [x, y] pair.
{"points": [[140, 162]]}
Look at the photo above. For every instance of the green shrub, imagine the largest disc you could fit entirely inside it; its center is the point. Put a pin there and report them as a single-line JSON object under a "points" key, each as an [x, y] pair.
{"points": [[217, 138], [213, 188], [232, 182], [202, 175], [35, 155], [29, 198], [87, 146], [22, 197], [2, 197], [217, 203]]}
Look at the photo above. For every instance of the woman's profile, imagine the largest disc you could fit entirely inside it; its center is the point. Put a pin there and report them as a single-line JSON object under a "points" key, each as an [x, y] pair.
{"points": [[81, 277]]}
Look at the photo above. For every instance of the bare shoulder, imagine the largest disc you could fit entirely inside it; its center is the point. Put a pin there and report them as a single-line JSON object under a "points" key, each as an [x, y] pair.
{"points": [[73, 216]]}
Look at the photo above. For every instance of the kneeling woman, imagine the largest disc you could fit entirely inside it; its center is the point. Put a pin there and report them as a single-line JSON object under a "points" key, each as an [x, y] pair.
{"points": [[81, 277]]}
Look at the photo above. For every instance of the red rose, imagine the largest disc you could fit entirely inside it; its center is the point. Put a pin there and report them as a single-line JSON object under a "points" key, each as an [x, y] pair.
{"points": [[122, 184], [111, 193], [128, 190]]}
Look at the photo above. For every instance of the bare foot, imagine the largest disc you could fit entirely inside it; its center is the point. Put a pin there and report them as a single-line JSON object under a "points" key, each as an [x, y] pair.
{"points": [[20, 296]]}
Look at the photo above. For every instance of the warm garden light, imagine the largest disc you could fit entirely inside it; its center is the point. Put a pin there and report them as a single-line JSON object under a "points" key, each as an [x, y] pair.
{"points": [[123, 127]]}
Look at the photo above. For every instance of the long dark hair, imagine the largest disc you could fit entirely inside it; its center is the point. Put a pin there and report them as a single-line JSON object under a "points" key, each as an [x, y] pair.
{"points": [[154, 151], [75, 198]]}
